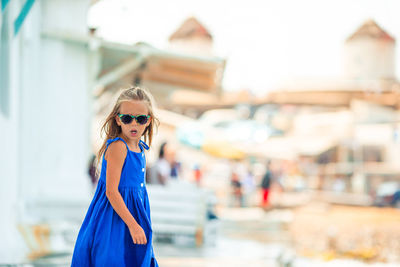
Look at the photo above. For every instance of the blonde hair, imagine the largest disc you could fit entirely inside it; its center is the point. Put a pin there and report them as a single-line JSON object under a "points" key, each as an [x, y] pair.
{"points": [[112, 129]]}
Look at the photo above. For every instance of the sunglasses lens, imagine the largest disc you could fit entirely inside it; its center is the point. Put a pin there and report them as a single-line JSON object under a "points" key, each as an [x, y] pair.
{"points": [[126, 119], [142, 119]]}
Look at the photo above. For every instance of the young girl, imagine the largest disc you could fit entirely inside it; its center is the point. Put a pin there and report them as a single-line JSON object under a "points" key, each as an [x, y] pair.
{"points": [[117, 230]]}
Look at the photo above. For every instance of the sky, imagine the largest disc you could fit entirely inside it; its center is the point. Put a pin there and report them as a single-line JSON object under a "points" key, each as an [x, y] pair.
{"points": [[265, 42]]}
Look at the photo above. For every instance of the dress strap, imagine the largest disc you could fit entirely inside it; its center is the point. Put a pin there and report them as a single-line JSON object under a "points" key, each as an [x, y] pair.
{"points": [[109, 141], [144, 145]]}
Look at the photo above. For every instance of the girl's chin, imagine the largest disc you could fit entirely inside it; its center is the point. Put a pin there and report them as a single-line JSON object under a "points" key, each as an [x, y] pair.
{"points": [[133, 134]]}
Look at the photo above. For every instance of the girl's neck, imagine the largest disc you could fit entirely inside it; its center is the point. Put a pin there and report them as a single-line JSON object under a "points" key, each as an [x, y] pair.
{"points": [[133, 144]]}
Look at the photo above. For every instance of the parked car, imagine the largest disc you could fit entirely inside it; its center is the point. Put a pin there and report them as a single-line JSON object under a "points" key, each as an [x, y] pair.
{"points": [[388, 194]]}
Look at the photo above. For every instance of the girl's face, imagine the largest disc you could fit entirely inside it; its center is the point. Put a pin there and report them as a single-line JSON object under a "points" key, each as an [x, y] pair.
{"points": [[133, 131]]}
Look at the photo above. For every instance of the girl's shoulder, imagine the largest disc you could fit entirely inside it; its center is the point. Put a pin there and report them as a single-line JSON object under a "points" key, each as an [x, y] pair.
{"points": [[116, 140], [116, 148]]}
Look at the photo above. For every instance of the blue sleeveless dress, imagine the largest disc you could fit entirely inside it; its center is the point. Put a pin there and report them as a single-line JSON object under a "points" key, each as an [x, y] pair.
{"points": [[104, 239]]}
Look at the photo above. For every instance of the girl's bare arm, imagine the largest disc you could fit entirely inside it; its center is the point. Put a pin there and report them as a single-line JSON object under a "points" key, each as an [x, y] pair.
{"points": [[115, 156]]}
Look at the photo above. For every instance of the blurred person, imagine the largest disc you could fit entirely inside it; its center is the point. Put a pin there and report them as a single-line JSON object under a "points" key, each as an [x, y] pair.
{"points": [[237, 190], [266, 185], [175, 165], [92, 171], [116, 230], [198, 174], [175, 169], [163, 164], [160, 172]]}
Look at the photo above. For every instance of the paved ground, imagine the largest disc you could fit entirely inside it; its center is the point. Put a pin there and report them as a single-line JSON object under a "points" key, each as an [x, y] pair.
{"points": [[247, 237], [244, 239]]}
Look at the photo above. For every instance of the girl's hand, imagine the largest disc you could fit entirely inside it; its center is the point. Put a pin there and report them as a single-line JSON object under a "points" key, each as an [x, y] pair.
{"points": [[138, 234]]}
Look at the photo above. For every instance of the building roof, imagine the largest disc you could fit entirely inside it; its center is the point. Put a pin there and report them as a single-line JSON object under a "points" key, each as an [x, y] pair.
{"points": [[190, 28], [370, 29]]}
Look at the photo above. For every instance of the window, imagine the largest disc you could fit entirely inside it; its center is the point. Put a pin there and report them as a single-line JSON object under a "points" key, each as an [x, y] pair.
{"points": [[373, 154]]}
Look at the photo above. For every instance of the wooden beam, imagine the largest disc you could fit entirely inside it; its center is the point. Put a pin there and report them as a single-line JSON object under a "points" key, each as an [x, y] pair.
{"points": [[332, 98], [179, 81], [184, 74], [119, 72]]}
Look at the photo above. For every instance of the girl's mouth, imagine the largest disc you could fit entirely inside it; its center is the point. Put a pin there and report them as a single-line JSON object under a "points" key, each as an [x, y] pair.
{"points": [[134, 132]]}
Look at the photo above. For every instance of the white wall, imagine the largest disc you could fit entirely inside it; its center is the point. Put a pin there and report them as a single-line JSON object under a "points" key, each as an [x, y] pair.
{"points": [[45, 141], [11, 243], [56, 150], [369, 58]]}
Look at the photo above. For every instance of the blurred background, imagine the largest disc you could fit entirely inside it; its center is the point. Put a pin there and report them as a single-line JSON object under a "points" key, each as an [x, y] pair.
{"points": [[280, 127]]}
